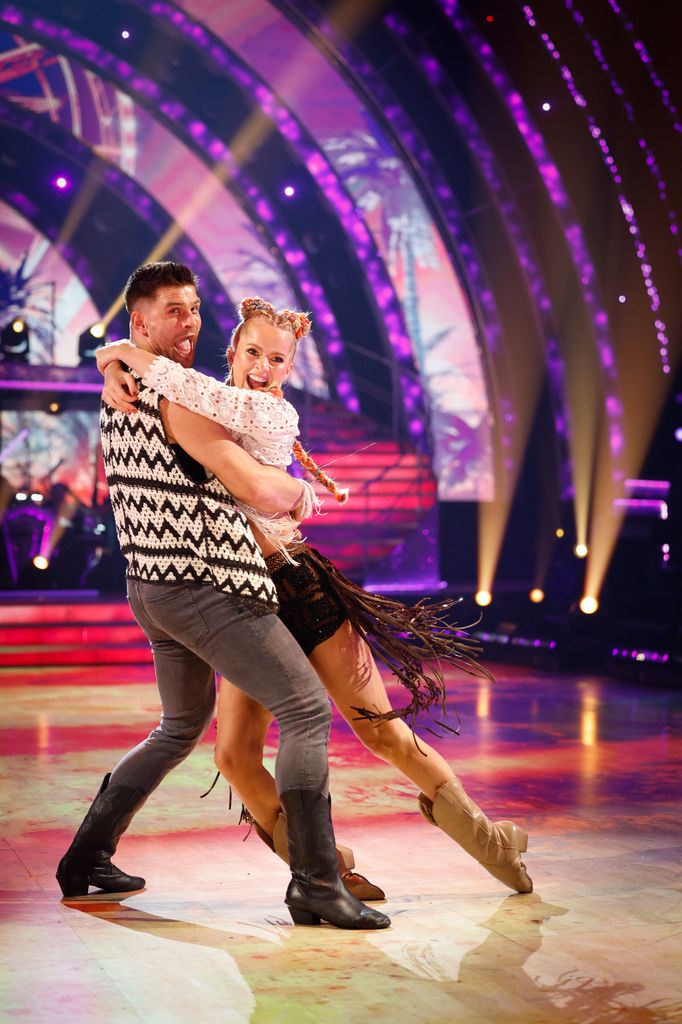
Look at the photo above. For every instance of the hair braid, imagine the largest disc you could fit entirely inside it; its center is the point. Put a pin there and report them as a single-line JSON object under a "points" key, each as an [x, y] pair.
{"points": [[306, 460]]}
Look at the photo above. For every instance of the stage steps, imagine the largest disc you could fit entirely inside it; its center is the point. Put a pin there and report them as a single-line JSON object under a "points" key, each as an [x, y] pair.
{"points": [[46, 633], [391, 488]]}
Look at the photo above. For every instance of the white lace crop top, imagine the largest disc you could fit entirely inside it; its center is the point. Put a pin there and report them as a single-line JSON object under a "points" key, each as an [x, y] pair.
{"points": [[264, 425]]}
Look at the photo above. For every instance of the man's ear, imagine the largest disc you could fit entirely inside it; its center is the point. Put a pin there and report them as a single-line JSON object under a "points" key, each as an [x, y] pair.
{"points": [[137, 323]]}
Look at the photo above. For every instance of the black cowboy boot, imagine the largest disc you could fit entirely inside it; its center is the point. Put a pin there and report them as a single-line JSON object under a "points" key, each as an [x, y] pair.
{"points": [[88, 860], [316, 892], [357, 884]]}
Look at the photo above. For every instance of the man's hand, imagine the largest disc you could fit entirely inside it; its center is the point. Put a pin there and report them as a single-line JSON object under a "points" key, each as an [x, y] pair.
{"points": [[120, 388]]}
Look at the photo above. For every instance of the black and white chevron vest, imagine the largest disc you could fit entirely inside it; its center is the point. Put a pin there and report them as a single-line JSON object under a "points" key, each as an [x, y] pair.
{"points": [[171, 528]]}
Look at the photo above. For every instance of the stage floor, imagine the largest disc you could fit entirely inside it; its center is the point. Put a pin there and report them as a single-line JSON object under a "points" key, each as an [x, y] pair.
{"points": [[591, 767]]}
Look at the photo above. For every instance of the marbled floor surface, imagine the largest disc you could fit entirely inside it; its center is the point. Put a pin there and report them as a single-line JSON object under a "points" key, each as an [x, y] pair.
{"points": [[591, 767]]}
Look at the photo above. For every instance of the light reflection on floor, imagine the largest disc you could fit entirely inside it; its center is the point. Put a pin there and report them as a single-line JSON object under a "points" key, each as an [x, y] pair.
{"points": [[590, 766]]}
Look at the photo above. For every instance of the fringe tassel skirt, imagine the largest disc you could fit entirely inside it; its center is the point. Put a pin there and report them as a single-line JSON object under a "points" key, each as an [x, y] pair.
{"points": [[414, 641]]}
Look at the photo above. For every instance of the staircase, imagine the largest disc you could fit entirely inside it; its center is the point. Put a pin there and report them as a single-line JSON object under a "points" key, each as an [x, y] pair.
{"points": [[391, 489], [92, 633]]}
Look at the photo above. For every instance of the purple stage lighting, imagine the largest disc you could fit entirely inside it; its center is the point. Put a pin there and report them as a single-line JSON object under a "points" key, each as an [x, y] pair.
{"points": [[289, 191], [61, 182]]}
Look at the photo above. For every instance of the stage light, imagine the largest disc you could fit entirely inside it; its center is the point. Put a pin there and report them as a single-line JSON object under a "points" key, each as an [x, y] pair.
{"points": [[14, 339], [537, 595], [88, 343], [53, 406], [125, 34], [638, 655], [37, 497], [289, 191], [560, 532], [61, 182], [546, 106], [588, 605], [622, 298], [483, 598], [678, 434], [40, 562], [489, 17], [580, 551], [21, 496]]}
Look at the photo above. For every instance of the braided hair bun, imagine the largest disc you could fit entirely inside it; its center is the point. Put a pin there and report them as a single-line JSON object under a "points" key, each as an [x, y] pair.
{"points": [[297, 322], [249, 306]]}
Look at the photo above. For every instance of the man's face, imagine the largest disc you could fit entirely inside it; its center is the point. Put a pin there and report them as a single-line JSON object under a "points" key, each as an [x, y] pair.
{"points": [[168, 324]]}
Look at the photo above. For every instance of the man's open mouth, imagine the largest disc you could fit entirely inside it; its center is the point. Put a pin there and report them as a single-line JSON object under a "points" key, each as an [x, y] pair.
{"points": [[184, 347]]}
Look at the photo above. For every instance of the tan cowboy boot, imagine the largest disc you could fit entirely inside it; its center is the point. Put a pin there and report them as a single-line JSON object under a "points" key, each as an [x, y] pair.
{"points": [[496, 845], [356, 884]]}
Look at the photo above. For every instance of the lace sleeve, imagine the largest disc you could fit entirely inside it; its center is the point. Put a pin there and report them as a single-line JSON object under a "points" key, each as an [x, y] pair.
{"points": [[265, 426]]}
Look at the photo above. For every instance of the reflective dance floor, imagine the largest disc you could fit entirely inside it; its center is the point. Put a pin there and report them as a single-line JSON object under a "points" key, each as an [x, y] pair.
{"points": [[590, 766]]}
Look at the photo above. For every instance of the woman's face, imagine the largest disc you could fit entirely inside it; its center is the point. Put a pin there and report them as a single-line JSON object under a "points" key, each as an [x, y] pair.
{"points": [[263, 357]]}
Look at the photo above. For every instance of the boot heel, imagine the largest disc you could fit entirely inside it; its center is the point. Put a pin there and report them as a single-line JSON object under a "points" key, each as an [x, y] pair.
{"points": [[73, 887], [515, 837], [303, 917], [345, 856]]}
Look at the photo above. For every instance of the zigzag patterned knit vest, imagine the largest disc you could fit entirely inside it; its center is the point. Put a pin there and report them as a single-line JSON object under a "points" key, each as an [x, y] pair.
{"points": [[171, 528]]}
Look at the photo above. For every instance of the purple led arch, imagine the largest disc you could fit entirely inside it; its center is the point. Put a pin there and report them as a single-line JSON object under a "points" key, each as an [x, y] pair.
{"points": [[644, 56], [551, 176], [626, 207], [30, 211], [507, 205], [456, 237], [136, 197], [316, 162], [650, 160], [215, 150]]}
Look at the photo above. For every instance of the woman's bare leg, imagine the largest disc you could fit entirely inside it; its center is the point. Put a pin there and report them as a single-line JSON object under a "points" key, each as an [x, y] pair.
{"points": [[347, 669], [345, 665], [242, 727]]}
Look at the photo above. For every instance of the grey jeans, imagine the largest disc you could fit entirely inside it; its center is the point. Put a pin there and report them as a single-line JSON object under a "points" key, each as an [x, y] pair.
{"points": [[196, 630]]}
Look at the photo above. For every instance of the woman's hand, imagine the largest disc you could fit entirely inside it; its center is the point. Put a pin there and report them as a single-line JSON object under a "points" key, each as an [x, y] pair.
{"points": [[120, 388], [115, 352]]}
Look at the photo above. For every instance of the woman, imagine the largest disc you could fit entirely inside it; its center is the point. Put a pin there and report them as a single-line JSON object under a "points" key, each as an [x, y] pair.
{"points": [[336, 623]]}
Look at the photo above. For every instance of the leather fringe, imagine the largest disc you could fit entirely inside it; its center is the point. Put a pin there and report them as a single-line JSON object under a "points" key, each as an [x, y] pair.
{"points": [[414, 641]]}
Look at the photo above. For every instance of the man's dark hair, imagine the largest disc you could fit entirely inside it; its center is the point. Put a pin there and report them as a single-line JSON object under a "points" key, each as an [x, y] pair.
{"points": [[144, 282]]}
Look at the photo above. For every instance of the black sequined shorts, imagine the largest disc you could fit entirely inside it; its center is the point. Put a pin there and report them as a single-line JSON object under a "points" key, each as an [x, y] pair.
{"points": [[308, 603]]}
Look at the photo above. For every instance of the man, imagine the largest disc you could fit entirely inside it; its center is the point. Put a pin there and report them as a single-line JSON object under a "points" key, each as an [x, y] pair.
{"points": [[199, 588]]}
